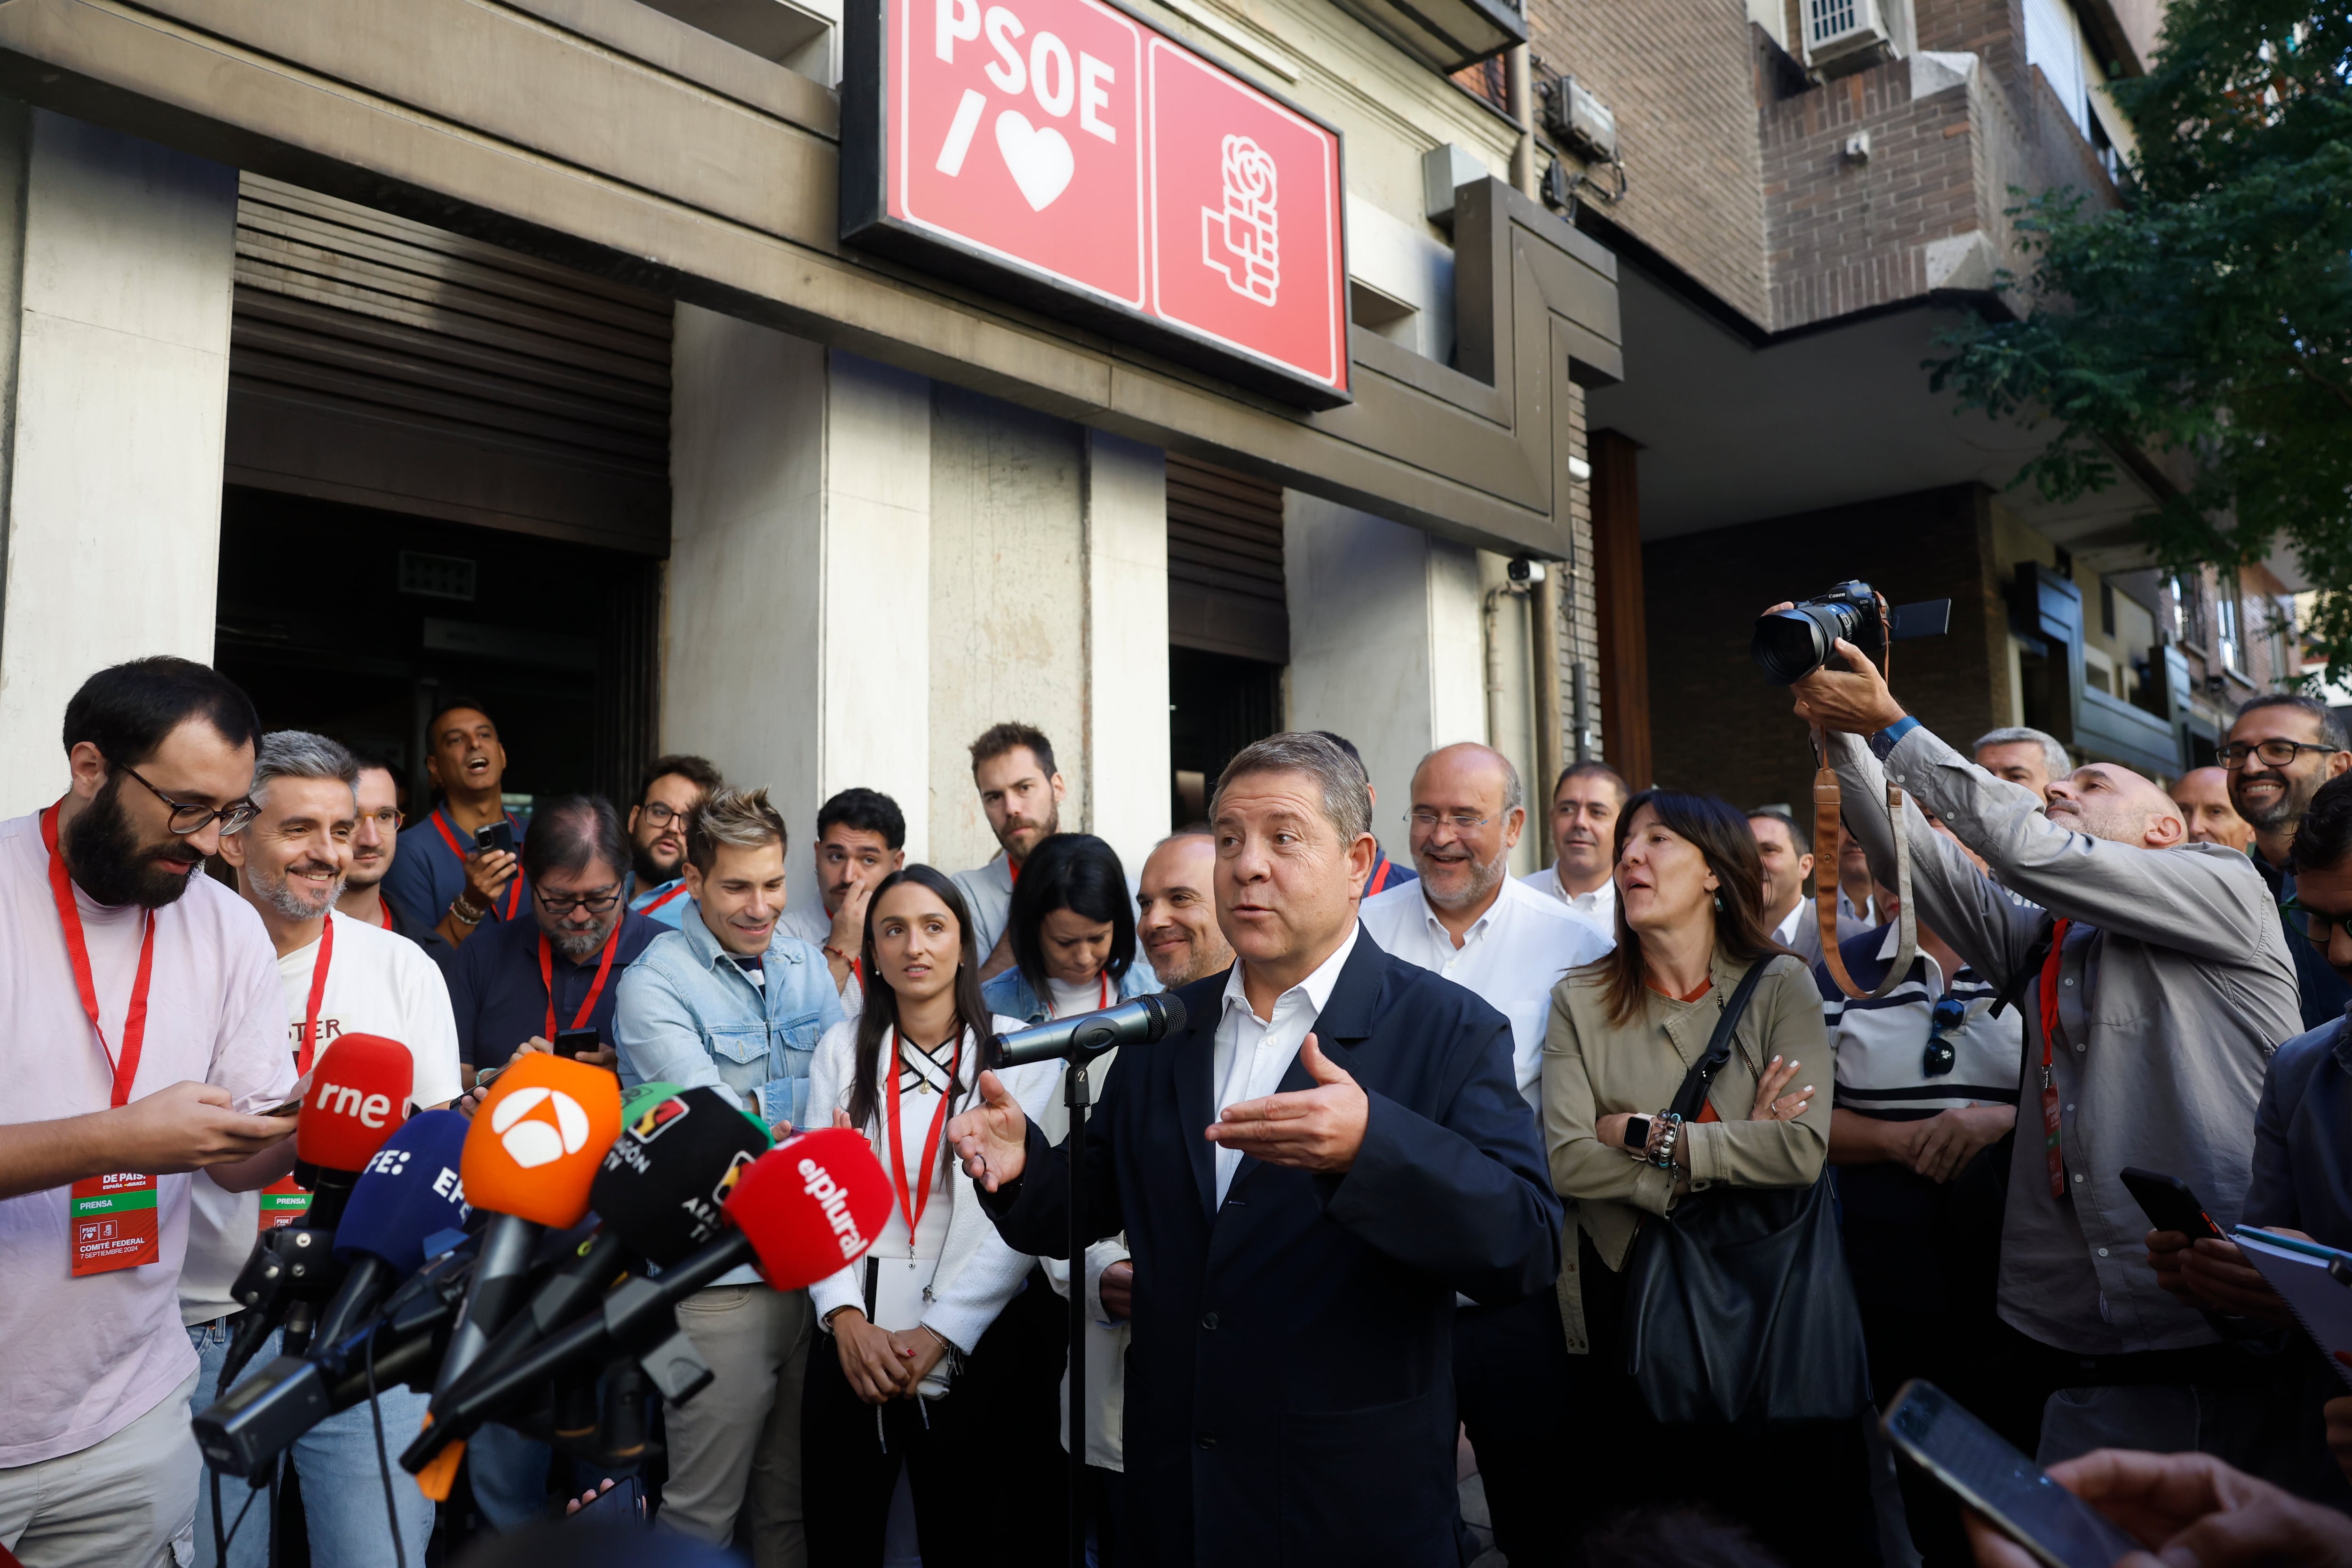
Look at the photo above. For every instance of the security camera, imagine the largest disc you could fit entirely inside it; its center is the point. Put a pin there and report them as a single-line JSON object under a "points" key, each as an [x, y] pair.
{"points": [[1523, 573]]}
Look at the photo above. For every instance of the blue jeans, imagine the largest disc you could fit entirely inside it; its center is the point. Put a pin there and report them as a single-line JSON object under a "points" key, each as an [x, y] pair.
{"points": [[342, 1488]]}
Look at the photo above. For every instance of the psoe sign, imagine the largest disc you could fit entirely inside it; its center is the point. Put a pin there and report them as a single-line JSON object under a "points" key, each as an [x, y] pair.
{"points": [[1066, 156]]}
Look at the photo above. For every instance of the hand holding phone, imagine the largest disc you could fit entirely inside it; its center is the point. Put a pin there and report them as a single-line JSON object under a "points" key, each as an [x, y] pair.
{"points": [[2169, 1204], [2189, 1507], [572, 1042], [2052, 1525]]}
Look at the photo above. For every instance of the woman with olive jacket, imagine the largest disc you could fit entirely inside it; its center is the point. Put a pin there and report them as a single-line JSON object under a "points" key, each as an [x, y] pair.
{"points": [[1624, 1034]]}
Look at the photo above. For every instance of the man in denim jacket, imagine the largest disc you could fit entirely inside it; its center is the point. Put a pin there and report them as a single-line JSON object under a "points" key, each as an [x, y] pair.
{"points": [[729, 1001]]}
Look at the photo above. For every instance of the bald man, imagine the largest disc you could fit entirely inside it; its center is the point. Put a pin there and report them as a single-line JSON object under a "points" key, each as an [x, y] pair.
{"points": [[1466, 917], [2162, 970], [2203, 797]]}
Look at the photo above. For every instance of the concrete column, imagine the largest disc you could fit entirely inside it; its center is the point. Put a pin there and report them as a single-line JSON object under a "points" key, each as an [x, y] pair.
{"points": [[1128, 787], [1385, 643], [115, 288], [796, 639]]}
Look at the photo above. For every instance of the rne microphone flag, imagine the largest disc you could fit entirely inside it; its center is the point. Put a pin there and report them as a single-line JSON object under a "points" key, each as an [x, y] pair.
{"points": [[538, 1139], [359, 1095], [811, 1206]]}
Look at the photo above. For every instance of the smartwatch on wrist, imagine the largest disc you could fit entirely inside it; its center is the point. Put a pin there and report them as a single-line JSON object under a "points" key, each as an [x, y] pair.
{"points": [[1637, 1133]]}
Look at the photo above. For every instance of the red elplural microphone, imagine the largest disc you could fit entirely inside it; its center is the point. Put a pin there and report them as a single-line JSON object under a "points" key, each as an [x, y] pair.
{"points": [[809, 1207]]}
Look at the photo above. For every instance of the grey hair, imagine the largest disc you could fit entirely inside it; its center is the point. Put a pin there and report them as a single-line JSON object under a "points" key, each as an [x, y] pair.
{"points": [[1347, 790], [2331, 728], [299, 754], [2054, 760]]}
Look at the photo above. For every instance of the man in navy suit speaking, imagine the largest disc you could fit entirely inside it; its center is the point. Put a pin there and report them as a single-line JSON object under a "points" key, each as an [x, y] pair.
{"points": [[1306, 1174]]}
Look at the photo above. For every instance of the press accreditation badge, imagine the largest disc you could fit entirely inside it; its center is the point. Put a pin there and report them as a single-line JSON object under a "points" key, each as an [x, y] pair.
{"points": [[112, 1223], [283, 1201]]}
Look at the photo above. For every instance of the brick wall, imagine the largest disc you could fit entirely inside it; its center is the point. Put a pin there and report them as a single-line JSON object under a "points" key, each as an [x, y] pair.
{"points": [[1717, 725], [1992, 30], [1677, 74]]}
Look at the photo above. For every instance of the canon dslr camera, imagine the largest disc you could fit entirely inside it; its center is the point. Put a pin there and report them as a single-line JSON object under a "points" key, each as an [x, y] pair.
{"points": [[1791, 644]]}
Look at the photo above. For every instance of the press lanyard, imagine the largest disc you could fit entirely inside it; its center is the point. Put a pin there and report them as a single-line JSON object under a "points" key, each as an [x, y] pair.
{"points": [[1380, 876], [666, 898], [913, 1205], [319, 967], [111, 1219], [383, 911], [2052, 1153], [134, 1020], [587, 1008], [514, 889]]}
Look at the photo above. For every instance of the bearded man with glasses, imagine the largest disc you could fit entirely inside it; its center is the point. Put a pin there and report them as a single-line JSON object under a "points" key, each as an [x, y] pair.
{"points": [[673, 790], [2282, 747]]}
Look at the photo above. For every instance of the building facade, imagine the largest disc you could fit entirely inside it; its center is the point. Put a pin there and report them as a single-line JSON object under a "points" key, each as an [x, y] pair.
{"points": [[1805, 199], [383, 352]]}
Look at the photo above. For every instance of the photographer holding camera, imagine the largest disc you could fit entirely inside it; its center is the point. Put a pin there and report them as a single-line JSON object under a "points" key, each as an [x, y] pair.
{"points": [[2154, 982]]}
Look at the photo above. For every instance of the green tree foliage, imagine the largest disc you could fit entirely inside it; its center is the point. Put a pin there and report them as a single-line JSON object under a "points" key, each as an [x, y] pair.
{"points": [[2212, 317]]}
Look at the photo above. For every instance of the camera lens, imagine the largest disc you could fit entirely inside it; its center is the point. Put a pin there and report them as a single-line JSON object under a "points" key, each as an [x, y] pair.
{"points": [[1790, 644]]}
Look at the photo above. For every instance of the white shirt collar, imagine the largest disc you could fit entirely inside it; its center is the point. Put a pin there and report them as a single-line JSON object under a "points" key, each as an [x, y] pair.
{"points": [[1478, 927], [1316, 987], [1786, 931]]}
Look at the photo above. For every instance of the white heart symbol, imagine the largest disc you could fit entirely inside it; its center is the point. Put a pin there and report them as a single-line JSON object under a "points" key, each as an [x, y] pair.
{"points": [[1039, 158]]}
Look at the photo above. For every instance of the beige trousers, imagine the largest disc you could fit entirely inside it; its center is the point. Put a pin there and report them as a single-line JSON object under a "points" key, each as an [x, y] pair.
{"points": [[115, 1504], [737, 1444]]}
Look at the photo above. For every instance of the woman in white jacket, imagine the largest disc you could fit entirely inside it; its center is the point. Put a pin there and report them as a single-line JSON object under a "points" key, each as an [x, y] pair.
{"points": [[906, 1322]]}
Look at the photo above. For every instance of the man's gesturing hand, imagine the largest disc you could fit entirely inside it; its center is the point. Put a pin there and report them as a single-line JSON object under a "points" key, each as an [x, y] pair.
{"points": [[992, 1139], [1319, 1130]]}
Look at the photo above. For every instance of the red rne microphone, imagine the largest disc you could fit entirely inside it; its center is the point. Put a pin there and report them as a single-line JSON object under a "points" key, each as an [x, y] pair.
{"points": [[811, 1205], [358, 1099]]}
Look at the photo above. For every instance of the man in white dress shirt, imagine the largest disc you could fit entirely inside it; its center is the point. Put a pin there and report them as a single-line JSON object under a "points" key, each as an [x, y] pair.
{"points": [[1586, 801], [1468, 920]]}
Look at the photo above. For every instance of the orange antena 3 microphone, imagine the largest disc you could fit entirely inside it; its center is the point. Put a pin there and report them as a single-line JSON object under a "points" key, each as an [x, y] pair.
{"points": [[809, 1207], [529, 1160]]}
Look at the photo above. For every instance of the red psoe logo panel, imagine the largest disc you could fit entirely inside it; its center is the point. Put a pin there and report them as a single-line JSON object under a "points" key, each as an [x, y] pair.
{"points": [[1246, 215]]}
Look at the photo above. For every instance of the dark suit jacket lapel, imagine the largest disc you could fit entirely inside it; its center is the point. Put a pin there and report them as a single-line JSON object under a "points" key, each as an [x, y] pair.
{"points": [[1345, 1022], [1194, 1061]]}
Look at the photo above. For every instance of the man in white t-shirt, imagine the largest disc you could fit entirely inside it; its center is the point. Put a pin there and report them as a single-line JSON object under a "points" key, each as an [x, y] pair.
{"points": [[1586, 801], [97, 1464], [337, 975]]}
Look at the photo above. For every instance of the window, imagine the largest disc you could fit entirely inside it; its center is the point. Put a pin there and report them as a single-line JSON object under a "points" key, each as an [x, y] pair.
{"points": [[2054, 42], [2225, 627]]}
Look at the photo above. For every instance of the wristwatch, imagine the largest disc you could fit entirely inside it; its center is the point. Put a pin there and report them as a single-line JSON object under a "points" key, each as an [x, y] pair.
{"points": [[1883, 745], [1637, 1135]]}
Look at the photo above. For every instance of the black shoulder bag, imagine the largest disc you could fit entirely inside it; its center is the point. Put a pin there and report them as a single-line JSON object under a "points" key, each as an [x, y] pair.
{"points": [[1738, 1306]]}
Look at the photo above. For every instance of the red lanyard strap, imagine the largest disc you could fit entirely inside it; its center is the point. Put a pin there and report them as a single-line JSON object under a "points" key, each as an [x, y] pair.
{"points": [[547, 978], [666, 898], [912, 1204], [134, 1020], [319, 967], [449, 837], [2052, 1154]]}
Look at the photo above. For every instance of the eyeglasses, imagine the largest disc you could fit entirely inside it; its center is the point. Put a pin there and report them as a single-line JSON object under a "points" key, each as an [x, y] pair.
{"points": [[2318, 925], [192, 816], [388, 820], [1461, 821], [594, 904], [2277, 754], [1949, 1014], [660, 813]]}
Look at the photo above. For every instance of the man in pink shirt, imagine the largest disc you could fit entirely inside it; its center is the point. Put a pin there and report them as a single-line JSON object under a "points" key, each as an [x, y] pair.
{"points": [[146, 1028]]}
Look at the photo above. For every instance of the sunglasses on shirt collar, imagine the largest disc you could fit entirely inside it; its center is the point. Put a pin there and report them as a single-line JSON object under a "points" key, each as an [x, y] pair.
{"points": [[1946, 1018]]}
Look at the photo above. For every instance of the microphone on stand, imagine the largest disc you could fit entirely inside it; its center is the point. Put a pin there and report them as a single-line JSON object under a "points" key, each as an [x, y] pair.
{"points": [[359, 1090], [1089, 1035], [803, 1210]]}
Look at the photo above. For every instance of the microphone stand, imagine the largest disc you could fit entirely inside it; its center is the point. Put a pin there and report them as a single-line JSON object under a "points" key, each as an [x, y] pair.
{"points": [[1077, 1095]]}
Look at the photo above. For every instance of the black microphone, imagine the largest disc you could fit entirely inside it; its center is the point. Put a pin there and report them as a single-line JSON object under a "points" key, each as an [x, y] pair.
{"points": [[1089, 1035]]}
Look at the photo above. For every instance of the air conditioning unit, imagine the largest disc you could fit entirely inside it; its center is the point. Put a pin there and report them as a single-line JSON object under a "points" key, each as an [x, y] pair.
{"points": [[1848, 33], [1577, 120]]}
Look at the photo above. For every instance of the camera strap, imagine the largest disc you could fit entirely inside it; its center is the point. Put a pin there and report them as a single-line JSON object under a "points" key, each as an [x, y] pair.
{"points": [[1827, 809]]}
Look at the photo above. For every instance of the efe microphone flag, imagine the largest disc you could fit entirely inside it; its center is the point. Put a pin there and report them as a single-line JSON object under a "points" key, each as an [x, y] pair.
{"points": [[538, 1137], [359, 1095], [409, 1190], [811, 1206]]}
